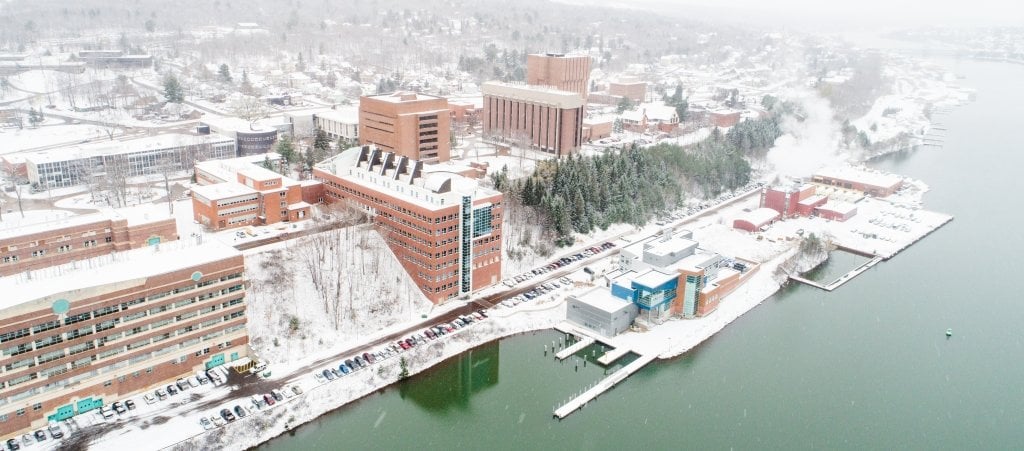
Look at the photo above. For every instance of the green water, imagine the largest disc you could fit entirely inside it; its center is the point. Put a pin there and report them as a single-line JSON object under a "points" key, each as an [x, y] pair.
{"points": [[838, 263], [865, 367]]}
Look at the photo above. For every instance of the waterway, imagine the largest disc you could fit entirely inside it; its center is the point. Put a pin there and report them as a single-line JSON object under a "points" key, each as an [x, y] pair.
{"points": [[865, 367]]}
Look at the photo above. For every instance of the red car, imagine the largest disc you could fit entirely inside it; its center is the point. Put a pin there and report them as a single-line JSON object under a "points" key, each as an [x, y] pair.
{"points": [[269, 399]]}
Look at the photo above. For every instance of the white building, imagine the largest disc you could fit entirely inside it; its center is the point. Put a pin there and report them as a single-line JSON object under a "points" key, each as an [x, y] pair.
{"points": [[70, 166]]}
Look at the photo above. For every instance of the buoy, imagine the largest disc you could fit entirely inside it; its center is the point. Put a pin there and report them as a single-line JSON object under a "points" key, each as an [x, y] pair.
{"points": [[949, 332]]}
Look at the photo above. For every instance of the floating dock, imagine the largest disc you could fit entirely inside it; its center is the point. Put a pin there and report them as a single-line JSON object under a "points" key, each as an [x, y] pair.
{"points": [[576, 347], [611, 356], [602, 386], [842, 279]]}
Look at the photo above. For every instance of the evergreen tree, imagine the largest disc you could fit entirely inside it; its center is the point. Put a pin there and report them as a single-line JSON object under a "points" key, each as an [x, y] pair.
{"points": [[624, 104], [267, 164], [172, 89], [300, 65], [246, 84], [286, 149], [225, 73], [322, 144]]}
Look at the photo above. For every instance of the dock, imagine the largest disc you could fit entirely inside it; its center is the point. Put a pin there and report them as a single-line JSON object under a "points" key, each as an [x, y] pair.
{"points": [[842, 279], [576, 347], [611, 356], [602, 386]]}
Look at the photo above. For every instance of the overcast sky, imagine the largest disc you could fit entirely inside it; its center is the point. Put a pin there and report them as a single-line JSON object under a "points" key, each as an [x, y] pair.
{"points": [[850, 14]]}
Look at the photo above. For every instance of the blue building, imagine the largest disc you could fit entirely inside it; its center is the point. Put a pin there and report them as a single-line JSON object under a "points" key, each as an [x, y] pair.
{"points": [[652, 291]]}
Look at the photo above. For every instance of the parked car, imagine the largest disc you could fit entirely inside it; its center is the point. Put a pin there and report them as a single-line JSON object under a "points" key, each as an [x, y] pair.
{"points": [[205, 422], [161, 394], [276, 394], [55, 431], [130, 404], [106, 412], [12, 444], [171, 390], [344, 369], [182, 385], [350, 364], [40, 435], [258, 401], [269, 399], [218, 421], [227, 415], [201, 377], [329, 375], [193, 381], [296, 390], [118, 407], [26, 440], [240, 412]]}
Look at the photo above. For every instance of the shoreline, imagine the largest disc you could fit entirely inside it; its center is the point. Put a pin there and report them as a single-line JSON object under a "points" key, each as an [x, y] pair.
{"points": [[325, 398]]}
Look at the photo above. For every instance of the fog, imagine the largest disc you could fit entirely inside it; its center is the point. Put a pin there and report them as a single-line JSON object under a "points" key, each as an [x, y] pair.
{"points": [[812, 15]]}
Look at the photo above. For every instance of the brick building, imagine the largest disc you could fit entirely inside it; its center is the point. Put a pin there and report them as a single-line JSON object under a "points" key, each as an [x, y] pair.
{"points": [[239, 192], [549, 119], [411, 125], [444, 228], [565, 72], [628, 87], [115, 328], [51, 243], [868, 182]]}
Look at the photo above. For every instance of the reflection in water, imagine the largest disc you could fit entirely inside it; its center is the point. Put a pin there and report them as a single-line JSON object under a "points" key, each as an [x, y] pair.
{"points": [[448, 386]]}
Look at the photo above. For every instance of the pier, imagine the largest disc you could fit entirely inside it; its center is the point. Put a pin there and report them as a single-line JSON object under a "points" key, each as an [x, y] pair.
{"points": [[611, 356], [602, 386], [576, 347], [842, 279]]}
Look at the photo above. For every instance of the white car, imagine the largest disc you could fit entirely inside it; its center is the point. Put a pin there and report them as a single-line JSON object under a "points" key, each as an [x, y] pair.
{"points": [[150, 399], [217, 420]]}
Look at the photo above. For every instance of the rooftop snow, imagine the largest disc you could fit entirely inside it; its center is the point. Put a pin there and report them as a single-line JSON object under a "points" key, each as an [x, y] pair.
{"points": [[759, 216], [601, 298], [859, 175], [224, 190], [654, 278], [132, 265], [344, 115], [34, 224], [151, 143]]}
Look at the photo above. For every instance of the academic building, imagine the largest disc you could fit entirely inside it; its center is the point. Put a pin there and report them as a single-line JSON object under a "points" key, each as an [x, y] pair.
{"points": [[565, 72], [77, 338], [411, 125], [540, 117], [60, 241], [443, 227], [240, 192]]}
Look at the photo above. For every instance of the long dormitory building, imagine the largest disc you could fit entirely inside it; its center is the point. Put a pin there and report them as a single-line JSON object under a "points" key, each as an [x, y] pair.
{"points": [[116, 326], [444, 228]]}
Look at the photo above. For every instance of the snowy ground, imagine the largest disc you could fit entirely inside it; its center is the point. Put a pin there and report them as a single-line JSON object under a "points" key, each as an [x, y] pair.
{"points": [[16, 140], [360, 288]]}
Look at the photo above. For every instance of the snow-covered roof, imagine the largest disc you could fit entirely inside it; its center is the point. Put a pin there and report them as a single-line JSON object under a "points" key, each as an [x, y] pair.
{"points": [[35, 224], [601, 298], [544, 95], [224, 190], [426, 190], [106, 148], [843, 208], [760, 216], [860, 176], [654, 278], [812, 199], [657, 111], [226, 169], [128, 268], [344, 115]]}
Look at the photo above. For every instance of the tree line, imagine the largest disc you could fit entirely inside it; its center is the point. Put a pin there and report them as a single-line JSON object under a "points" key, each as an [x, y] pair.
{"points": [[579, 194]]}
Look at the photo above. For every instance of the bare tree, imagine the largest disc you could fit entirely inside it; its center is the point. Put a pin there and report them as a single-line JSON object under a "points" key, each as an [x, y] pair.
{"points": [[18, 181], [117, 174], [251, 109]]}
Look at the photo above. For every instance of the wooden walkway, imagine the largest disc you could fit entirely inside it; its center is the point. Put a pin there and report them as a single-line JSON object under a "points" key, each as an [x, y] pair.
{"points": [[611, 356], [602, 386], [576, 347], [840, 281]]}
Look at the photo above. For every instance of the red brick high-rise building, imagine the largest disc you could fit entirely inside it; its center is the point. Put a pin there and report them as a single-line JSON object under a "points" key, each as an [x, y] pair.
{"points": [[539, 117], [565, 72], [412, 125], [444, 228]]}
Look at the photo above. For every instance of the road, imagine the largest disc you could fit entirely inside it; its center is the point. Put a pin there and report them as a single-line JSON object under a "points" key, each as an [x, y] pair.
{"points": [[246, 385]]}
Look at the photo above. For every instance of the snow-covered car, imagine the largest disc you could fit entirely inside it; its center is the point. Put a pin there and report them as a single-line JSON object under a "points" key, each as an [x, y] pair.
{"points": [[205, 422], [218, 421], [150, 399]]}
